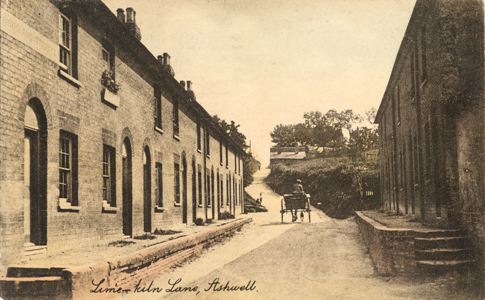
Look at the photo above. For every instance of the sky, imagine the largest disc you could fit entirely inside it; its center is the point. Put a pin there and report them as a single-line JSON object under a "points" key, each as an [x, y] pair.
{"points": [[263, 63]]}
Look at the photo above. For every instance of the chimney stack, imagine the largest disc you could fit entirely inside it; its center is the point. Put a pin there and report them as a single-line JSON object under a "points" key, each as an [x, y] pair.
{"points": [[182, 83], [166, 59], [130, 15], [131, 23], [189, 89], [120, 14]]}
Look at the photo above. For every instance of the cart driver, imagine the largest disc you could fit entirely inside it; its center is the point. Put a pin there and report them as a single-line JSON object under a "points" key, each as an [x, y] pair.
{"points": [[297, 189]]}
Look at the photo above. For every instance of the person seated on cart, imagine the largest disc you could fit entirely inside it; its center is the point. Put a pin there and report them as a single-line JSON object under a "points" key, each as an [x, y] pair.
{"points": [[297, 189]]}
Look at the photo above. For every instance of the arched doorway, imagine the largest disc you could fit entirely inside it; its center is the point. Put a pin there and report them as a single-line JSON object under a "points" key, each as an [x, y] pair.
{"points": [[127, 187], [212, 195], [184, 189], [229, 194], [35, 174], [147, 190], [194, 191], [219, 198]]}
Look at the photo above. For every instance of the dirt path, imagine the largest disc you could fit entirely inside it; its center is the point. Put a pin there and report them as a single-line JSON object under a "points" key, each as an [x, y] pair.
{"points": [[322, 260]]}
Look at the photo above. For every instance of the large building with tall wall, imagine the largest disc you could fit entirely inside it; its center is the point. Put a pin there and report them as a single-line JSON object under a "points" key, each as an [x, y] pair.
{"points": [[431, 120], [98, 141]]}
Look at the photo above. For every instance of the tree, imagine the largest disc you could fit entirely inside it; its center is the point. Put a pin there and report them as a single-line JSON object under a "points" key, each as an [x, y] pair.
{"points": [[326, 130], [284, 136], [370, 115], [363, 139], [250, 164]]}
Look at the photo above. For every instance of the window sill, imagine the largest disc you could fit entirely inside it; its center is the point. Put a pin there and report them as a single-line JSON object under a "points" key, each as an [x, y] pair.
{"points": [[67, 77], [108, 208], [221, 163], [198, 150], [208, 156], [175, 136], [159, 209], [399, 124], [66, 206], [177, 204], [200, 205], [159, 130]]}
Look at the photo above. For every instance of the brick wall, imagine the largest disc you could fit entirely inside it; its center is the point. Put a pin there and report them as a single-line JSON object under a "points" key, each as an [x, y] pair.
{"points": [[446, 119], [31, 72], [409, 121], [391, 250]]}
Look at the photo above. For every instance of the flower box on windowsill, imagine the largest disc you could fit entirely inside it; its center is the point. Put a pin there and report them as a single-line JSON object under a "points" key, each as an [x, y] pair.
{"points": [[107, 208], [111, 98], [64, 205], [108, 81], [159, 209]]}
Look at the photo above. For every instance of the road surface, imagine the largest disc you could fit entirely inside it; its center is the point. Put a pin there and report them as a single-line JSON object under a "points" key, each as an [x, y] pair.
{"points": [[268, 260]]}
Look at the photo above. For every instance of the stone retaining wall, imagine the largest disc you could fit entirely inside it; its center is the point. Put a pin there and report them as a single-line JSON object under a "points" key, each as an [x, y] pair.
{"points": [[146, 264], [391, 249]]}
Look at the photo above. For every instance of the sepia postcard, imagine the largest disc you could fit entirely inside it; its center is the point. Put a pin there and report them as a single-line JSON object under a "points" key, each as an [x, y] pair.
{"points": [[242, 149]]}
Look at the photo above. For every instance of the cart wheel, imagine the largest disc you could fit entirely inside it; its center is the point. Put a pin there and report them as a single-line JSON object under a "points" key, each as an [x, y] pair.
{"points": [[309, 217], [282, 217]]}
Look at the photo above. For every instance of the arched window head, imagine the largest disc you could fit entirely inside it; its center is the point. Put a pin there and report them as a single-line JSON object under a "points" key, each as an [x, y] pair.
{"points": [[31, 120], [124, 151], [146, 156]]}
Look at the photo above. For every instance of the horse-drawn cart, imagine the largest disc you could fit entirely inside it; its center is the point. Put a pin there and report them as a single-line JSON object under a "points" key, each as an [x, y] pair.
{"points": [[294, 203]]}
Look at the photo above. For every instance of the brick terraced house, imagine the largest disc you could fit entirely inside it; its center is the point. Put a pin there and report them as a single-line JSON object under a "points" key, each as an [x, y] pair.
{"points": [[432, 120], [98, 141]]}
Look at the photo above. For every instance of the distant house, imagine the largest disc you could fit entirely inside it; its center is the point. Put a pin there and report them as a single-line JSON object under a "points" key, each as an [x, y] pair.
{"points": [[282, 154]]}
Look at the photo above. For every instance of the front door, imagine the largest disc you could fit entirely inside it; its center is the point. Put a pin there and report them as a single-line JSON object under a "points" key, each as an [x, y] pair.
{"points": [[194, 193], [184, 191], [127, 189], [147, 187], [219, 198], [35, 204]]}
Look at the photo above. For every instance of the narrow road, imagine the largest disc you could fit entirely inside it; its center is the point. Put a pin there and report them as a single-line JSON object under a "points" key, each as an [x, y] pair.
{"points": [[321, 260]]}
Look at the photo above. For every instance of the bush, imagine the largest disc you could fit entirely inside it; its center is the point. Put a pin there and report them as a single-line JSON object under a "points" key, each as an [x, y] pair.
{"points": [[225, 215], [165, 232], [145, 236], [336, 183], [199, 222], [120, 243]]}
